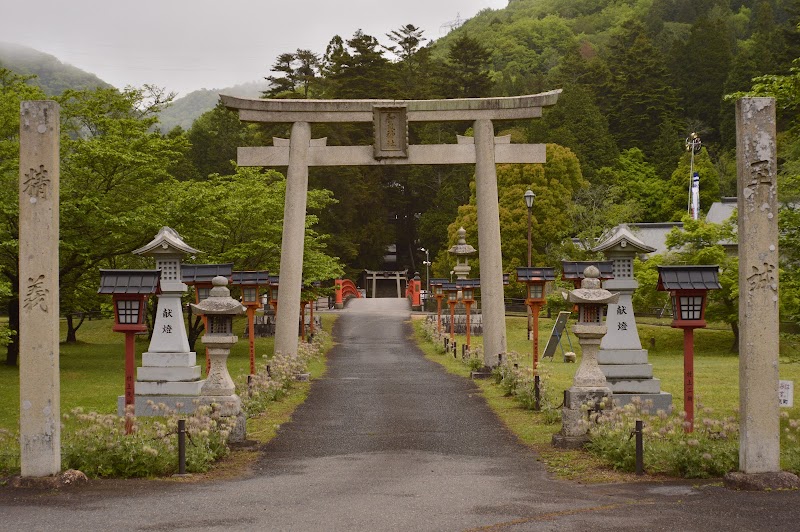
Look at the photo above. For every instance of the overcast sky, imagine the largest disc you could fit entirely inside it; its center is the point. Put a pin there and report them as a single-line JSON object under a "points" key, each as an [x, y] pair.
{"points": [[183, 45]]}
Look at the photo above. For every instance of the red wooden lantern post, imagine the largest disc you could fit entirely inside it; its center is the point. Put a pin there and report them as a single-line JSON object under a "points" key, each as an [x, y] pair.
{"points": [[535, 280], [452, 299], [468, 287], [438, 291], [199, 276], [273, 292], [129, 289], [688, 287], [250, 283]]}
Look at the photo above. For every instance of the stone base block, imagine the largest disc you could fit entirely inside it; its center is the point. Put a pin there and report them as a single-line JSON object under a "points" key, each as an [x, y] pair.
{"points": [[634, 386], [481, 375], [338, 306], [227, 405], [661, 401], [166, 360], [576, 397], [762, 481], [569, 442], [169, 388], [239, 432], [622, 356], [171, 373], [627, 371]]}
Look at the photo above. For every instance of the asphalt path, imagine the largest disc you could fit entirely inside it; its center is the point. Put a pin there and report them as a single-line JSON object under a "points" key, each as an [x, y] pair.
{"points": [[389, 441]]}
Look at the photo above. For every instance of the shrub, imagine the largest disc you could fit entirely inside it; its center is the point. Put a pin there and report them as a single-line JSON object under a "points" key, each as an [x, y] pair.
{"points": [[710, 451], [97, 444]]}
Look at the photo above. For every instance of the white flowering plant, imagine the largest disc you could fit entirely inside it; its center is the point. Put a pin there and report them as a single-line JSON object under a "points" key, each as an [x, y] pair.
{"points": [[97, 444], [711, 450]]}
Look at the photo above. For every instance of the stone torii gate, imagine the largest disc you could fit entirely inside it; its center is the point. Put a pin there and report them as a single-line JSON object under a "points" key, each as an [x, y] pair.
{"points": [[390, 119]]}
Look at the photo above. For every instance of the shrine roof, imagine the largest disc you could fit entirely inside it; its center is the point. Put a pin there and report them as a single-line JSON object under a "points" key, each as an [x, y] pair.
{"points": [[129, 281], [688, 278], [204, 273], [574, 269], [166, 241], [623, 239], [252, 278]]}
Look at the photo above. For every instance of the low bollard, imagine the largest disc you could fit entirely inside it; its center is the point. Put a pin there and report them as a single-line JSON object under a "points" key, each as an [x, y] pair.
{"points": [[455, 350], [537, 404], [181, 446], [446, 345], [639, 448]]}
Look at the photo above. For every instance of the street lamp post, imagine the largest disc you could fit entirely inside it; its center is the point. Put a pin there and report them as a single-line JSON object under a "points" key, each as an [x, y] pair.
{"points": [[529, 196], [427, 264]]}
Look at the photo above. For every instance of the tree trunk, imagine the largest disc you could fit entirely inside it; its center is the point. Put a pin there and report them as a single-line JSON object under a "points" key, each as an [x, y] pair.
{"points": [[12, 354], [735, 329], [72, 329]]}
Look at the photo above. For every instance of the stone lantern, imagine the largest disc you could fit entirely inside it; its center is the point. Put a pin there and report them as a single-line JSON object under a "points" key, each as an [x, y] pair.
{"points": [[220, 308], [462, 252], [621, 356], [169, 373], [589, 387]]}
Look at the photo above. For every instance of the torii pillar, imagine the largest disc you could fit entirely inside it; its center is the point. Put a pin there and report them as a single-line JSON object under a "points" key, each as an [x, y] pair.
{"points": [[390, 119]]}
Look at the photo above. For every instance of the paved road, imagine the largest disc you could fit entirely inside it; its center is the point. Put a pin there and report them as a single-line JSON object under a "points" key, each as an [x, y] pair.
{"points": [[389, 441]]}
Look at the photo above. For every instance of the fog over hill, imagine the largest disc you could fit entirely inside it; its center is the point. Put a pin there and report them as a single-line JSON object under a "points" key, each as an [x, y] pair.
{"points": [[53, 76], [186, 109]]}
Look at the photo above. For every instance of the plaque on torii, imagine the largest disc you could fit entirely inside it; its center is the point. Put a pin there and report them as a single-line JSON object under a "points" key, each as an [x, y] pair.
{"points": [[390, 120]]}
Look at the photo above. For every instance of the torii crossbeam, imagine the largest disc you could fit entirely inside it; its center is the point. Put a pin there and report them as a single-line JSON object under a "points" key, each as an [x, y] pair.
{"points": [[390, 119]]}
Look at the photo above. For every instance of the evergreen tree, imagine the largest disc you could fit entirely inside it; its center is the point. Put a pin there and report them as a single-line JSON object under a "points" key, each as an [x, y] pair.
{"points": [[465, 74], [639, 96]]}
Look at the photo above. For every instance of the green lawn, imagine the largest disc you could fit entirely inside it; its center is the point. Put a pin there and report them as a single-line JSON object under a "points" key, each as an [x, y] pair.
{"points": [[716, 366], [93, 370]]}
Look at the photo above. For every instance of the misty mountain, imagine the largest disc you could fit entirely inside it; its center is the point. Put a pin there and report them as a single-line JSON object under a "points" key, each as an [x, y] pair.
{"points": [[184, 110], [53, 76]]}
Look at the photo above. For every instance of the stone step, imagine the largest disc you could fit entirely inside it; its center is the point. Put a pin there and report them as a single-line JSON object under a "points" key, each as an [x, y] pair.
{"points": [[661, 401], [622, 356], [635, 385], [168, 388], [172, 373], [164, 360], [627, 371]]}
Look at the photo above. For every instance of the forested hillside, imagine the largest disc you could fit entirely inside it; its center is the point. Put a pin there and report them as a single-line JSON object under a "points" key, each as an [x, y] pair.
{"points": [[53, 76], [638, 76]]}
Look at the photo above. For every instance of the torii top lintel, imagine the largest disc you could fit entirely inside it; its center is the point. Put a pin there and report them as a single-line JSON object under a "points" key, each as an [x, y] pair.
{"points": [[331, 111]]}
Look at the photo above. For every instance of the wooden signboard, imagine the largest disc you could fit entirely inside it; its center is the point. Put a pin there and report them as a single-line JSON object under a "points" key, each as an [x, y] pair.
{"points": [[555, 336]]}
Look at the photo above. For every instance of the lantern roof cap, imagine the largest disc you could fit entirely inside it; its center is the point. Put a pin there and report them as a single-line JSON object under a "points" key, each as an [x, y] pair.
{"points": [[450, 286], [461, 247], [693, 277], [535, 274], [204, 273], [468, 283], [129, 281], [219, 300], [573, 269], [436, 281], [623, 239], [251, 278], [590, 291], [167, 241]]}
